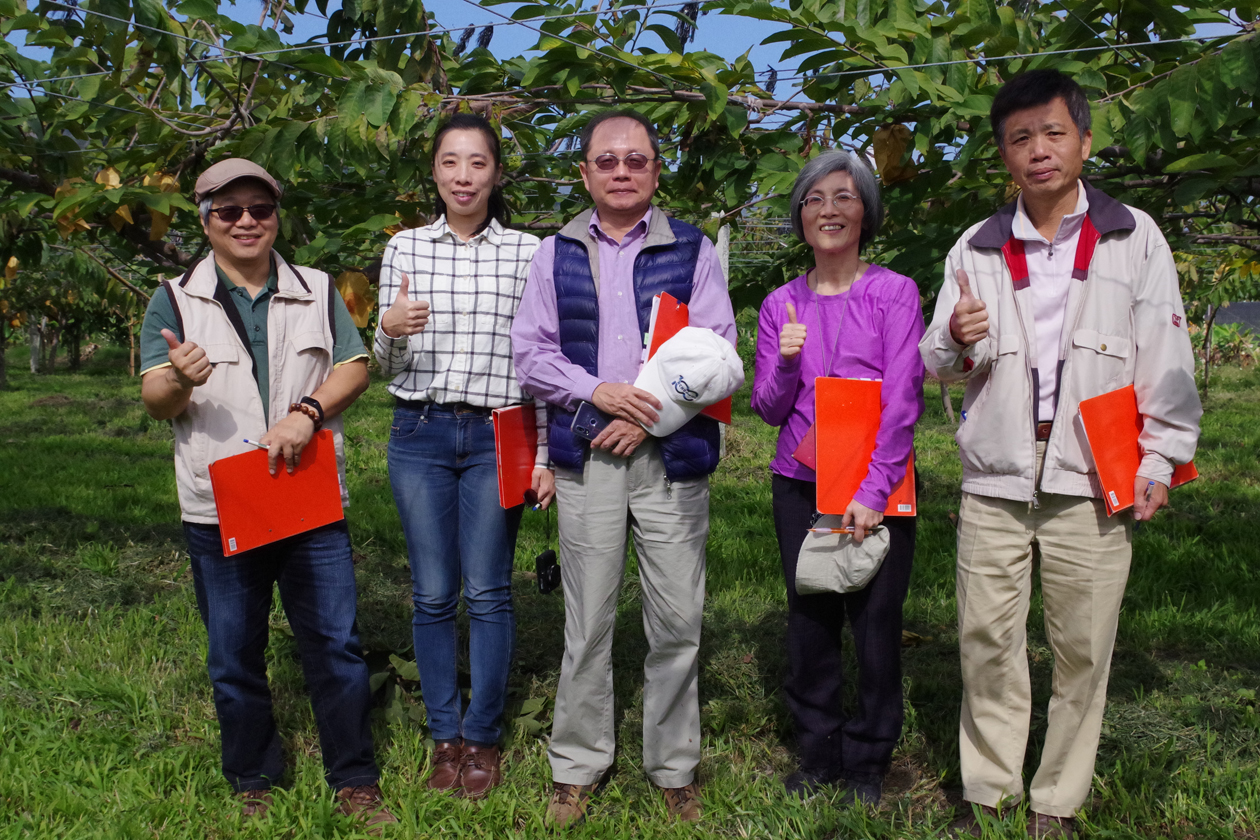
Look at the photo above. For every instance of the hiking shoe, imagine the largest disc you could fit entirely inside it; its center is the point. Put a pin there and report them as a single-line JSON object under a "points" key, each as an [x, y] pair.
{"points": [[1046, 827], [684, 802], [254, 803], [804, 784], [365, 804], [446, 756], [569, 804], [479, 771], [862, 789]]}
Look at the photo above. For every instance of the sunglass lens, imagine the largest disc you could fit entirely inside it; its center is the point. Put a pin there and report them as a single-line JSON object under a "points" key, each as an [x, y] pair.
{"points": [[261, 212], [230, 214]]}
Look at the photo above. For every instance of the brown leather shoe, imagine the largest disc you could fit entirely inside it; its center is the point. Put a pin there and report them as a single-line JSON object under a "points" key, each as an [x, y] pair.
{"points": [[365, 804], [446, 756], [479, 771], [569, 804], [1051, 828], [254, 803], [968, 825], [684, 802]]}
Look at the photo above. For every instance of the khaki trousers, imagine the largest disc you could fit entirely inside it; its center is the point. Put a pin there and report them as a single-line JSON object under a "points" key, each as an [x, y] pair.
{"points": [[1084, 565], [670, 526]]}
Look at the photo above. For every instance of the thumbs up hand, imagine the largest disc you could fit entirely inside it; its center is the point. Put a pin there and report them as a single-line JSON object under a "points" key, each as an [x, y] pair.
{"points": [[970, 321], [189, 364], [406, 316], [791, 336]]}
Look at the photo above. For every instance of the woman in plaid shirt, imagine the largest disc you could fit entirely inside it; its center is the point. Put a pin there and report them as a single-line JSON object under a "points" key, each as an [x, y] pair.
{"points": [[448, 294]]}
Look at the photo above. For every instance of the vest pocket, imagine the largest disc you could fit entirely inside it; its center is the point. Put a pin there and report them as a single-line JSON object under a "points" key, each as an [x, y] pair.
{"points": [[310, 342], [218, 354]]}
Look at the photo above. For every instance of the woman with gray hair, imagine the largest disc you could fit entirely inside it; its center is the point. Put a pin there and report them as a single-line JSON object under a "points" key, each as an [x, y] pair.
{"points": [[842, 318]]}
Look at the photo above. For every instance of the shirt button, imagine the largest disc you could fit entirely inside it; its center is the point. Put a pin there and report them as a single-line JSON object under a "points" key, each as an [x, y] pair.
{"points": [[1104, 347], [257, 328], [619, 339], [618, 294]]}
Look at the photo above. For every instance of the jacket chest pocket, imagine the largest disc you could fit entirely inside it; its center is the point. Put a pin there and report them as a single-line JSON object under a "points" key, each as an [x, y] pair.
{"points": [[1100, 358], [311, 344]]}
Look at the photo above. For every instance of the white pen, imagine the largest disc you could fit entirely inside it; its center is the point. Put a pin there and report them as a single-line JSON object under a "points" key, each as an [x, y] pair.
{"points": [[256, 443]]}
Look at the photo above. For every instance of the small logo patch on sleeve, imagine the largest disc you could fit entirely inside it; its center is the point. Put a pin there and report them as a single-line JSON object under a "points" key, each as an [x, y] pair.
{"points": [[1176, 320]]}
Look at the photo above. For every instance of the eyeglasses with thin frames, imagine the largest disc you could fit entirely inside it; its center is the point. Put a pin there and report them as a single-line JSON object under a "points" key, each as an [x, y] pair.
{"points": [[840, 201], [231, 214], [634, 161]]}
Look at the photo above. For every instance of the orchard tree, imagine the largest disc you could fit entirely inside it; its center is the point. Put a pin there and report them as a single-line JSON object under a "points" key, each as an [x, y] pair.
{"points": [[103, 133]]}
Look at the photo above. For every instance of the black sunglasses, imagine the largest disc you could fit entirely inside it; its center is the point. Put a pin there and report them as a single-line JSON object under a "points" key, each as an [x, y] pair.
{"points": [[634, 161], [232, 214]]}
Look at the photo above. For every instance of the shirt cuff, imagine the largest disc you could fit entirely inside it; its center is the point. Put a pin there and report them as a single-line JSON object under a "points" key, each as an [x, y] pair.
{"points": [[1156, 467]]}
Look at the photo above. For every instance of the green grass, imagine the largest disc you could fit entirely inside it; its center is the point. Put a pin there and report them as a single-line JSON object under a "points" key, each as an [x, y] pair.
{"points": [[107, 728]]}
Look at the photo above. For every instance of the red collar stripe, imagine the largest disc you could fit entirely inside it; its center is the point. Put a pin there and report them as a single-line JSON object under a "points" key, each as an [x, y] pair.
{"points": [[1085, 249], [1016, 262]]}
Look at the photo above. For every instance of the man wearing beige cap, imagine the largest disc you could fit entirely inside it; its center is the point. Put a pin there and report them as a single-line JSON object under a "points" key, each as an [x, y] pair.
{"points": [[245, 346]]}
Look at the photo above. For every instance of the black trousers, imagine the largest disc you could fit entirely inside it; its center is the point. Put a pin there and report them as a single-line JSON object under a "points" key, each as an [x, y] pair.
{"points": [[830, 741]]}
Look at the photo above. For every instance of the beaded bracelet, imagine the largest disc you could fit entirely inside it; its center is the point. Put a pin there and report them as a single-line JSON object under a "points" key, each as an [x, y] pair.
{"points": [[309, 410]]}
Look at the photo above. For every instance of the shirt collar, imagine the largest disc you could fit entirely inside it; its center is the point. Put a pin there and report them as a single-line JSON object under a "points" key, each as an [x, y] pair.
{"points": [[439, 229], [1023, 228], [639, 230], [273, 282]]}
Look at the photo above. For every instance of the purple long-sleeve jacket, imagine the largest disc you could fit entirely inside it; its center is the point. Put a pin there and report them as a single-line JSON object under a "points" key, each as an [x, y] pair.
{"points": [[879, 338]]}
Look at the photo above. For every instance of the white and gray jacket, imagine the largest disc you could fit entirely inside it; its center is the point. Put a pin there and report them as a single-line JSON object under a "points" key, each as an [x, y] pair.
{"points": [[1125, 324], [227, 408]]}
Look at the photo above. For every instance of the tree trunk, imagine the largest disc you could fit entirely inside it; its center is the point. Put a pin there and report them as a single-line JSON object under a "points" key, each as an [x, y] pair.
{"points": [[949, 406], [36, 339], [131, 338], [1207, 346], [52, 342], [4, 345], [72, 347]]}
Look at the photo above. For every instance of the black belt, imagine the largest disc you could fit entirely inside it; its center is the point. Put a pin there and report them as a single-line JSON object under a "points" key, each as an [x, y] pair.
{"points": [[452, 408]]}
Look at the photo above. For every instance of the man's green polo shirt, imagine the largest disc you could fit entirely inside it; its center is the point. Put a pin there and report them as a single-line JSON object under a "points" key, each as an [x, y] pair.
{"points": [[160, 315]]}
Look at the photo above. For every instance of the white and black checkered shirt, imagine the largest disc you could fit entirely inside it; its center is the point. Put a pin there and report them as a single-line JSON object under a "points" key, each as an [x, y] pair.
{"points": [[464, 354]]}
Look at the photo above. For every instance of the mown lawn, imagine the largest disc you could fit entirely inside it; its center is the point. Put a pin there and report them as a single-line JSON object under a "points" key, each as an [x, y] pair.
{"points": [[107, 728]]}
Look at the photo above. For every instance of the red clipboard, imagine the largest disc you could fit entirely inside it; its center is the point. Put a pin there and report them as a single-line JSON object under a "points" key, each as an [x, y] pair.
{"points": [[257, 508], [1113, 426], [668, 317], [847, 413], [515, 445]]}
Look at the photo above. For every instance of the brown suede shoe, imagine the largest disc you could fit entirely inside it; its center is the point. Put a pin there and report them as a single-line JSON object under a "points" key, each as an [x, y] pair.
{"points": [[684, 802], [1051, 828], [569, 804], [365, 804], [446, 765], [254, 803], [967, 825], [479, 771]]}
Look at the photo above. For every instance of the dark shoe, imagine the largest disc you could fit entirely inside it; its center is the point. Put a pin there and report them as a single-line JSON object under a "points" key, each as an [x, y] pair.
{"points": [[968, 825], [1051, 828], [446, 763], [684, 802], [804, 783], [569, 804], [479, 771], [365, 804], [862, 789], [254, 803]]}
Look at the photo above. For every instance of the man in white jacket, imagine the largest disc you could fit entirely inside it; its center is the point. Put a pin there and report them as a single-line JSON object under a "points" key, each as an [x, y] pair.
{"points": [[1062, 295], [246, 346]]}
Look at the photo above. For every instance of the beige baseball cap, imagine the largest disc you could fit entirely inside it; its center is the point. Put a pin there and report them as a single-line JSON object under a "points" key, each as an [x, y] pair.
{"points": [[225, 172]]}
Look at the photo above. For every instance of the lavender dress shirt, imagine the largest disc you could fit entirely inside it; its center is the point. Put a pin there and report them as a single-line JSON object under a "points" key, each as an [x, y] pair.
{"points": [[545, 372], [879, 339]]}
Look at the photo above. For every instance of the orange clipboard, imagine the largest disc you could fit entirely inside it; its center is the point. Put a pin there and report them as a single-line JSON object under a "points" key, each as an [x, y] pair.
{"points": [[515, 445], [1113, 426], [846, 413], [668, 317], [257, 508]]}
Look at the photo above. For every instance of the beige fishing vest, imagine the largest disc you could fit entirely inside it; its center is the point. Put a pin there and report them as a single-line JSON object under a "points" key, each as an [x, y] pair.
{"points": [[227, 409]]}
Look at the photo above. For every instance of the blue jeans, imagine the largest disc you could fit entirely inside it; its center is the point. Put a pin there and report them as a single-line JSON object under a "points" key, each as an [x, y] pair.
{"points": [[442, 469], [316, 578]]}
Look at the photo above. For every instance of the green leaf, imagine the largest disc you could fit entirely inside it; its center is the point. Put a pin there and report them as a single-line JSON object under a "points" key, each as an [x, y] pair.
{"points": [[379, 99], [1181, 99], [353, 102], [1238, 65], [405, 669], [533, 706], [377, 680], [1207, 160], [716, 96]]}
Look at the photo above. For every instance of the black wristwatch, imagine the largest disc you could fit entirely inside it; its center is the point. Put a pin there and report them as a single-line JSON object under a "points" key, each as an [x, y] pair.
{"points": [[314, 403]]}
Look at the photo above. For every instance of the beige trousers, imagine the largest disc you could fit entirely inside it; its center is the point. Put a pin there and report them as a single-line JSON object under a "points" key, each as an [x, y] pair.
{"points": [[670, 526], [1084, 565]]}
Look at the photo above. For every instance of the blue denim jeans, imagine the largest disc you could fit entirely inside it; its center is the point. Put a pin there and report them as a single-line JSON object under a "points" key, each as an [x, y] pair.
{"points": [[316, 578], [442, 469]]}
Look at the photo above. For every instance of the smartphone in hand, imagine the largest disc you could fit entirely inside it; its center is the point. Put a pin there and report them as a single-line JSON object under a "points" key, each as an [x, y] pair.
{"points": [[589, 421]]}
